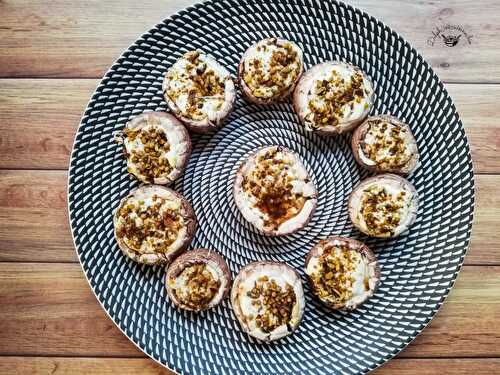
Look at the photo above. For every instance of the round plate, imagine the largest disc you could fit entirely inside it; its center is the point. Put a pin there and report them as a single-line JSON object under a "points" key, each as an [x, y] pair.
{"points": [[418, 269]]}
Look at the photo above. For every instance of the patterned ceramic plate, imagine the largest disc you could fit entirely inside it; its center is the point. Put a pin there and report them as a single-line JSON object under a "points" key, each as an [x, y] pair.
{"points": [[418, 269]]}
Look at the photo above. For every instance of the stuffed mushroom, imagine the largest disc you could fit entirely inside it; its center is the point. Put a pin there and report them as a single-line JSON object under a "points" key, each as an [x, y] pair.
{"points": [[333, 98], [198, 280], [157, 147], [268, 300], [385, 144], [383, 206], [343, 272], [154, 224], [274, 192], [269, 70], [199, 91]]}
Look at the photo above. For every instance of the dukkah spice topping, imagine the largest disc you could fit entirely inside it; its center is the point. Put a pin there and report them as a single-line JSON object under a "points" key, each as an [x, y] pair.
{"points": [[283, 67], [200, 287], [271, 184], [333, 280], [389, 148], [330, 96], [274, 303], [381, 210], [199, 82], [150, 226], [149, 160]]}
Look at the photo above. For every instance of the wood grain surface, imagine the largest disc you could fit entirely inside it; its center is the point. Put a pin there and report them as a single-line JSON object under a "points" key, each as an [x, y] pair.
{"points": [[143, 366], [51, 311], [52, 55]]}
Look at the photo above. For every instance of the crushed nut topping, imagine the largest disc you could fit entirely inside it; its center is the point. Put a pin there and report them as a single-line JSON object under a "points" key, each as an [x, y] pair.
{"points": [[275, 77], [332, 281], [381, 210], [201, 287], [275, 304], [271, 185], [329, 98], [150, 161], [148, 226], [386, 144], [199, 84]]}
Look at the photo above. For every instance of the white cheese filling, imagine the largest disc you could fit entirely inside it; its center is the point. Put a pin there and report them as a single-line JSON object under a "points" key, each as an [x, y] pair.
{"points": [[247, 202], [263, 52], [350, 111], [150, 244], [383, 155], [176, 142], [361, 273], [179, 82], [250, 310]]}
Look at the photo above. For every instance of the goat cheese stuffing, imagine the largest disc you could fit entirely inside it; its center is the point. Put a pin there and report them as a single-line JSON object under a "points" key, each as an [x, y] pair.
{"points": [[387, 145], [276, 192], [271, 67], [198, 87]]}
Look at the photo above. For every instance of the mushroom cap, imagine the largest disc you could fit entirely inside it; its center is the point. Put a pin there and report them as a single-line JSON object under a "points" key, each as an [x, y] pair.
{"points": [[175, 132], [301, 102], [273, 270], [354, 245], [214, 120], [281, 96], [185, 210], [254, 215], [199, 256], [393, 182], [358, 138]]}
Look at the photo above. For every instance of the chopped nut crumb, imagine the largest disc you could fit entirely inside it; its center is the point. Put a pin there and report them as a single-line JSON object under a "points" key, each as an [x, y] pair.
{"points": [[152, 226], [150, 161], [201, 287], [270, 183], [276, 303], [332, 281], [381, 210], [331, 96], [390, 149], [278, 76], [200, 84]]}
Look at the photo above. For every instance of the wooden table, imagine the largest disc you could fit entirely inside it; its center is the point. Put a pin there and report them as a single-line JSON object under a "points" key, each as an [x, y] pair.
{"points": [[52, 55]]}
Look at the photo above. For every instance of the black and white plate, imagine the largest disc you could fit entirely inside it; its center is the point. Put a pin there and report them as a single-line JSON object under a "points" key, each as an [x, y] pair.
{"points": [[418, 269]]}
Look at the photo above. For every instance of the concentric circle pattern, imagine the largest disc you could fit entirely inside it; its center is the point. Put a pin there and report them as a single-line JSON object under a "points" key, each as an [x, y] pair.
{"points": [[418, 269]]}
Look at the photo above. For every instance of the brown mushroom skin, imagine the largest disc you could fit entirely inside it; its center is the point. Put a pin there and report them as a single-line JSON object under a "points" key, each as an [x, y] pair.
{"points": [[247, 271], [301, 89], [183, 158], [355, 245], [193, 257], [186, 210], [247, 92], [358, 138], [388, 176]]}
